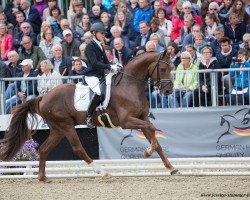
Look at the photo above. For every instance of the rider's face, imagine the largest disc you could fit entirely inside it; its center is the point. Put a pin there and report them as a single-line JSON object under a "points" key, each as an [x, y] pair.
{"points": [[100, 36]]}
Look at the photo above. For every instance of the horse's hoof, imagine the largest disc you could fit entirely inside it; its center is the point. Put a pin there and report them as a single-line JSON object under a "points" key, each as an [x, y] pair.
{"points": [[106, 176], [175, 172], [45, 180]]}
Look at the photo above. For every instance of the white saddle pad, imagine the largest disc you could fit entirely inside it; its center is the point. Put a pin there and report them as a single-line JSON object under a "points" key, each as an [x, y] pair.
{"points": [[82, 95]]}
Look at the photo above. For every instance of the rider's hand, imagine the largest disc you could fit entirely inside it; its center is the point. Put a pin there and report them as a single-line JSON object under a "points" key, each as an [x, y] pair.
{"points": [[115, 68]]}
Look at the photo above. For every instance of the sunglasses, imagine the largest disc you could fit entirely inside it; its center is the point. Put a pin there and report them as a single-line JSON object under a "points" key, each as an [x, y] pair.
{"points": [[212, 9]]}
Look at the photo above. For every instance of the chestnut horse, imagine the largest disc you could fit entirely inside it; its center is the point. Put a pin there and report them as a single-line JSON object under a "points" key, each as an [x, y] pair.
{"points": [[128, 108]]}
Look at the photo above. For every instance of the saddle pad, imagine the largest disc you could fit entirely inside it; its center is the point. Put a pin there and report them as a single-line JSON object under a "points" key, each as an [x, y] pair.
{"points": [[81, 97]]}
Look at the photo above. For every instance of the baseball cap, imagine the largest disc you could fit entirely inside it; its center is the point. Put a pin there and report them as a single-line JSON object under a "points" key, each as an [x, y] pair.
{"points": [[66, 32], [27, 62]]}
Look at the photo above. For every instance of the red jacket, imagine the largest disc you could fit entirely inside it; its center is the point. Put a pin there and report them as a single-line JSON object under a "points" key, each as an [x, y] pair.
{"points": [[7, 46]]}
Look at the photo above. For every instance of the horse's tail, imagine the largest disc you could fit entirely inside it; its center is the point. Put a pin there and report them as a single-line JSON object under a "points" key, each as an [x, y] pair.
{"points": [[18, 131]]}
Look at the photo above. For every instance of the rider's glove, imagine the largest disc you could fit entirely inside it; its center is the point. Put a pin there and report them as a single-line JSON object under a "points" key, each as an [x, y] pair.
{"points": [[115, 68]]}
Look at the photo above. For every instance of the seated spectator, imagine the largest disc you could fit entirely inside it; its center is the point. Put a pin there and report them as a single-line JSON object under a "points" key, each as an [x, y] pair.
{"points": [[204, 8], [83, 26], [124, 7], [87, 37], [154, 27], [155, 5], [184, 83], [105, 19], [45, 85], [109, 53], [246, 42], [3, 69], [187, 28], [64, 26], [40, 5], [189, 38], [25, 31], [179, 23], [13, 70], [240, 92], [99, 4], [32, 15], [199, 42], [174, 53], [107, 4], [26, 89], [70, 45], [5, 42], [225, 10], [208, 62], [214, 8], [113, 10], [55, 19], [30, 51], [150, 46], [235, 30], [142, 39], [176, 12], [95, 15], [49, 40], [77, 69], [218, 34], [78, 14], [156, 39], [123, 54], [46, 11], [9, 26], [238, 8], [45, 26], [210, 26], [196, 56], [20, 18], [133, 6], [10, 10], [71, 11], [143, 13], [116, 32], [165, 25], [62, 64]]}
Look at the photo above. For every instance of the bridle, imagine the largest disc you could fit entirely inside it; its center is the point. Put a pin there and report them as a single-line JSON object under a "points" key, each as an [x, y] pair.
{"points": [[159, 81]]}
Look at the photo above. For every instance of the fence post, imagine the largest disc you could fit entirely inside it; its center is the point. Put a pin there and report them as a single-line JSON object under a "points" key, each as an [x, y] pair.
{"points": [[2, 96], [213, 88]]}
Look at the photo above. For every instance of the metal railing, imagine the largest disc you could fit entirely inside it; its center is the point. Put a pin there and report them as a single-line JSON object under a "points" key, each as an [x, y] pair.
{"points": [[220, 90]]}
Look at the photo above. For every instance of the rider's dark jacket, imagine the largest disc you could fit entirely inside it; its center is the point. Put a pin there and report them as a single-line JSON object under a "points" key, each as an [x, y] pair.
{"points": [[97, 60]]}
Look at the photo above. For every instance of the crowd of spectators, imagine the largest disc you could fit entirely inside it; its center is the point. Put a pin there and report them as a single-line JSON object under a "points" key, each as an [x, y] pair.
{"points": [[204, 34]]}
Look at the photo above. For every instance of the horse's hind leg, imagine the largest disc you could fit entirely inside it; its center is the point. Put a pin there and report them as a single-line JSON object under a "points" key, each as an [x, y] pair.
{"points": [[53, 139], [80, 151]]}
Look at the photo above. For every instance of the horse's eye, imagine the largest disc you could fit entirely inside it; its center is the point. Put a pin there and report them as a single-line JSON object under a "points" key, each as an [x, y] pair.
{"points": [[162, 70]]}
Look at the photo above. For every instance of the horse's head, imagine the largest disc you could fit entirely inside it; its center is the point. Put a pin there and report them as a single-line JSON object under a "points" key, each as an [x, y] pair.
{"points": [[160, 73]]}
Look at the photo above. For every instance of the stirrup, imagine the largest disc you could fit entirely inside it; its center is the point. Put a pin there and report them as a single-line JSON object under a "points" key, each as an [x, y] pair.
{"points": [[89, 122]]}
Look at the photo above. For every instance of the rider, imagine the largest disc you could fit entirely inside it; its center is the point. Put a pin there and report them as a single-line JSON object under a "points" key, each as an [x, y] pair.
{"points": [[97, 64]]}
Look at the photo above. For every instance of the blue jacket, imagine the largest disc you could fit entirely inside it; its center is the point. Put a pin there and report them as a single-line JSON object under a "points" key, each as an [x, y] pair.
{"points": [[141, 15], [241, 76]]}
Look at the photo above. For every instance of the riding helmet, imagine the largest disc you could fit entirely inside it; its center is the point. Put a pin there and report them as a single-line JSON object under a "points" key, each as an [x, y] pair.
{"points": [[98, 27]]}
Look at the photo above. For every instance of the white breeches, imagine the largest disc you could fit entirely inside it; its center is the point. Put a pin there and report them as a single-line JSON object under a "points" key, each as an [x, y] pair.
{"points": [[93, 83]]}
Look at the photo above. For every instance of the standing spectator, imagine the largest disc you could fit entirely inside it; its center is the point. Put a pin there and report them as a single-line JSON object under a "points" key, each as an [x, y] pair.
{"points": [[184, 83], [45, 85], [62, 64], [123, 54], [165, 25], [46, 11], [142, 14], [26, 89], [40, 5], [5, 42], [208, 62], [49, 40], [32, 15], [70, 45], [30, 51]]}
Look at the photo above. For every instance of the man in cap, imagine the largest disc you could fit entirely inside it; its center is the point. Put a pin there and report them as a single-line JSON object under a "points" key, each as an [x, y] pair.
{"points": [[26, 90], [70, 45], [77, 19], [97, 64]]}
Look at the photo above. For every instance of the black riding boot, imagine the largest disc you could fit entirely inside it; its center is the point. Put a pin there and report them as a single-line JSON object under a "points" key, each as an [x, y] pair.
{"points": [[91, 109]]}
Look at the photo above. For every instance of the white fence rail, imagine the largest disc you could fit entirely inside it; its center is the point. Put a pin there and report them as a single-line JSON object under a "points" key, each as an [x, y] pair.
{"points": [[128, 167]]}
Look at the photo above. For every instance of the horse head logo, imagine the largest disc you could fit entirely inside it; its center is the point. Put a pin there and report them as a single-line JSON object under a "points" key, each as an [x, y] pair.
{"points": [[236, 124]]}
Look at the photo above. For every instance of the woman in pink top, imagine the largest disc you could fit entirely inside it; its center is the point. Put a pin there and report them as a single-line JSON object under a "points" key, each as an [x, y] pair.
{"points": [[5, 42]]}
